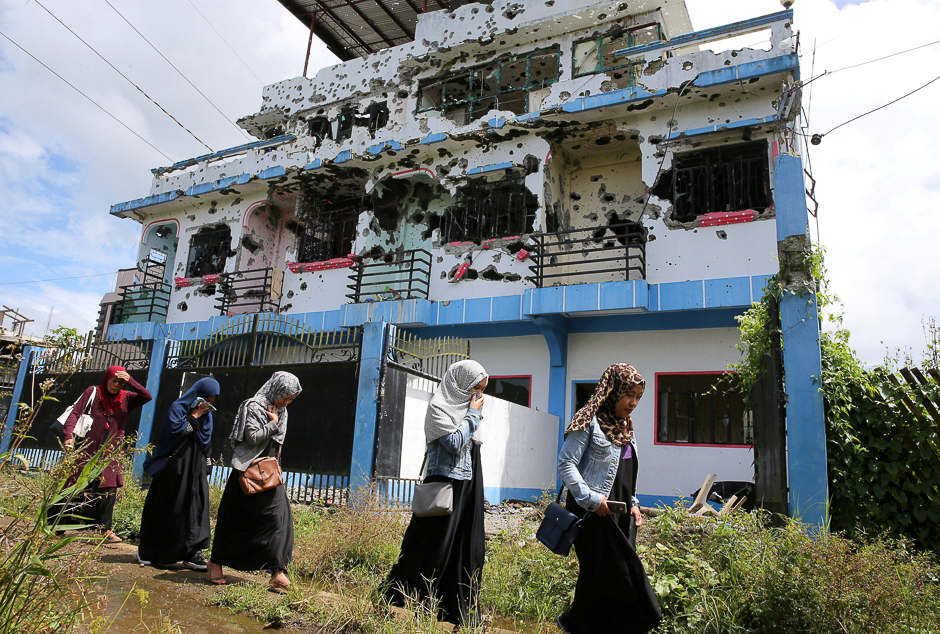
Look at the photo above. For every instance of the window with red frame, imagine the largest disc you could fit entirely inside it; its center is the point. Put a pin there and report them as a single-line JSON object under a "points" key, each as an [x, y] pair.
{"points": [[699, 409], [515, 389]]}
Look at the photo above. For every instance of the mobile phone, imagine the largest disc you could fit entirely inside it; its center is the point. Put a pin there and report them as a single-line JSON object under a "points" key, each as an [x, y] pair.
{"points": [[201, 401], [617, 507]]}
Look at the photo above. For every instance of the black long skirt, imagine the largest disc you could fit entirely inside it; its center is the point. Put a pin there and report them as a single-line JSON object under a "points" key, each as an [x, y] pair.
{"points": [[175, 521], [442, 557], [253, 532], [613, 594]]}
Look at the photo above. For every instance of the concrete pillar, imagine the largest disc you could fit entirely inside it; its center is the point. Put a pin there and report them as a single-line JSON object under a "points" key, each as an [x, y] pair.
{"points": [[555, 330], [799, 320], [154, 373], [374, 336], [16, 398]]}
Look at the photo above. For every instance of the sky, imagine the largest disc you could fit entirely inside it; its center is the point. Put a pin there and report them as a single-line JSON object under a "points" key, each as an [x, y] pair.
{"points": [[64, 162]]}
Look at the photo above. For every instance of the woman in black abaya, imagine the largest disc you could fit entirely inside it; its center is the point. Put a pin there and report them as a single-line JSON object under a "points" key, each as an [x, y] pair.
{"points": [[597, 463], [256, 532], [175, 522], [442, 557]]}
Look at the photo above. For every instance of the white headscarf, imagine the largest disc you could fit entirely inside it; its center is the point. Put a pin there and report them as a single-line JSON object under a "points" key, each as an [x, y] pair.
{"points": [[280, 385], [451, 401]]}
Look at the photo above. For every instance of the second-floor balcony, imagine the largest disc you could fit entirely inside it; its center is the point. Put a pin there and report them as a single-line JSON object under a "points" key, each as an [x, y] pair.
{"points": [[608, 253], [147, 301], [251, 291], [398, 275]]}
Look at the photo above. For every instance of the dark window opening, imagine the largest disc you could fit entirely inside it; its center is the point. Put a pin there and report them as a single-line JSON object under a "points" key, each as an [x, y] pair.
{"points": [[515, 389], [321, 129], [328, 231], [274, 132], [699, 409], [378, 117], [208, 251], [599, 54], [347, 118], [583, 390], [489, 210], [506, 84], [732, 178]]}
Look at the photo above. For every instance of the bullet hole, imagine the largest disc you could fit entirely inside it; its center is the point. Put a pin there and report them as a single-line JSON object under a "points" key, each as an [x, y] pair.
{"points": [[721, 235], [290, 294], [609, 198], [250, 243], [214, 207], [575, 196], [662, 188], [303, 286], [596, 178], [604, 140], [182, 307]]}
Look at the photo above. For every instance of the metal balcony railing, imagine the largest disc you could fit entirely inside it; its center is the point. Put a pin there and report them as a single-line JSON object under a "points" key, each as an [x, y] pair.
{"points": [[254, 291], [399, 275], [607, 253], [148, 301]]}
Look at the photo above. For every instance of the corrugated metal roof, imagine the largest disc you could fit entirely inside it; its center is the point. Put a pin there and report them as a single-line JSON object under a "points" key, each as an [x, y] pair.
{"points": [[355, 28]]}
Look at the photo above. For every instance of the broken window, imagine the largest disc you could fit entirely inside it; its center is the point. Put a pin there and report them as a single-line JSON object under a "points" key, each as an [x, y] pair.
{"points": [[514, 389], [699, 409], [599, 54], [378, 117], [347, 118], [327, 230], [208, 251], [727, 178], [518, 84], [320, 129], [489, 210]]}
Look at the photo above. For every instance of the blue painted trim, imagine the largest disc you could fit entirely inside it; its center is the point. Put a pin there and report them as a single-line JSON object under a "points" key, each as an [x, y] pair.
{"points": [[490, 168], [272, 172], [149, 201], [730, 291], [16, 397], [451, 313], [497, 495], [381, 147], [507, 308], [145, 429], [497, 122], [706, 34], [681, 295], [434, 138], [478, 331], [639, 322], [789, 197], [238, 149], [343, 156], [374, 336], [313, 165]]}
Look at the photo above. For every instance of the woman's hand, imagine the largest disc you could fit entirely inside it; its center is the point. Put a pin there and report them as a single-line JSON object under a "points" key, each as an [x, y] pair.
{"points": [[637, 516], [476, 401], [603, 510], [199, 411], [70, 443], [124, 376], [272, 413]]}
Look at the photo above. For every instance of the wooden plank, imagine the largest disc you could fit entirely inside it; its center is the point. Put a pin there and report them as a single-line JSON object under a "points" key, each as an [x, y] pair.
{"points": [[913, 409], [915, 375], [702, 496], [727, 509]]}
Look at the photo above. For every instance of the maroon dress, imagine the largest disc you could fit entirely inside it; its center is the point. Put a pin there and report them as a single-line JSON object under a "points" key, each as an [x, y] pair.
{"points": [[107, 429]]}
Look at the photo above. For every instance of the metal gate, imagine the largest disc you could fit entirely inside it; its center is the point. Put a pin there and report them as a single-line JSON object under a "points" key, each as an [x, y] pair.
{"points": [[770, 436]]}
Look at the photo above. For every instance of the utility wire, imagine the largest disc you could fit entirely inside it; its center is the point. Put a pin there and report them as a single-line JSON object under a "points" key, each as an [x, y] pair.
{"points": [[100, 107], [57, 279], [880, 107], [872, 61], [226, 42], [123, 75], [107, 2]]}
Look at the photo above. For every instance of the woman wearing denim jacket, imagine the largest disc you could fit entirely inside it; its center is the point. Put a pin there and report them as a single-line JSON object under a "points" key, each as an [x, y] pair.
{"points": [[442, 557], [598, 462]]}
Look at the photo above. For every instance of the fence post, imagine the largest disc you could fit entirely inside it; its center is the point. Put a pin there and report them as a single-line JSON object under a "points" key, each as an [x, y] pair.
{"points": [[154, 372], [374, 335], [16, 397]]}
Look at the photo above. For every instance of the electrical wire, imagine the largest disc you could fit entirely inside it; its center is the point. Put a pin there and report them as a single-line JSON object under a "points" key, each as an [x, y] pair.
{"points": [[100, 107], [226, 42], [123, 75], [872, 61], [107, 2], [58, 279], [880, 107]]}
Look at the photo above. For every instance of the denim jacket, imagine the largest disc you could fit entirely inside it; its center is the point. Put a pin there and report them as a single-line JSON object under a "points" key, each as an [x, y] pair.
{"points": [[449, 455], [588, 464]]}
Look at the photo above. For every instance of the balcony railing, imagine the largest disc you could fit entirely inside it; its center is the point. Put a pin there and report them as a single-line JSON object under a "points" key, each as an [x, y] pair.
{"points": [[144, 302], [595, 254], [399, 275], [254, 291]]}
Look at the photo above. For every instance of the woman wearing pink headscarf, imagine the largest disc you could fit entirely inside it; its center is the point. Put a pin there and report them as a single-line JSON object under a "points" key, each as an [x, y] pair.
{"points": [[112, 403]]}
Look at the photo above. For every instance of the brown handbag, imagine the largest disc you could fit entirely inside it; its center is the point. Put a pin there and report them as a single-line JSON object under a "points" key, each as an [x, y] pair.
{"points": [[261, 475]]}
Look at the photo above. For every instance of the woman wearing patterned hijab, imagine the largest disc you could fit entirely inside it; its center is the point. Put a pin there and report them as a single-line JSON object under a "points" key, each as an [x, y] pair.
{"points": [[256, 532], [597, 463], [442, 557]]}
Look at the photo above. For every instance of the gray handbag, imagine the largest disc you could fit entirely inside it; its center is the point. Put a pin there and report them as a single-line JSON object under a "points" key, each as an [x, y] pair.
{"points": [[432, 499]]}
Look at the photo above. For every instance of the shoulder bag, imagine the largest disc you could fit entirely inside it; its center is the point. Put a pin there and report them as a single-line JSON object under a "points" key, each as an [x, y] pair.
{"points": [[263, 474], [82, 424], [432, 499], [559, 527]]}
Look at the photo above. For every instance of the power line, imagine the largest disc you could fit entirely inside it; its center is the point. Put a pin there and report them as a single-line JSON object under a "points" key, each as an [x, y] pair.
{"points": [[123, 75], [86, 97], [176, 69], [872, 61], [226, 42], [57, 279]]}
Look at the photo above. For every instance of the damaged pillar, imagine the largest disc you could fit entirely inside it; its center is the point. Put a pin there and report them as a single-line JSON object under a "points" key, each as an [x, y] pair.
{"points": [[145, 428], [799, 322], [555, 330], [16, 397], [374, 337]]}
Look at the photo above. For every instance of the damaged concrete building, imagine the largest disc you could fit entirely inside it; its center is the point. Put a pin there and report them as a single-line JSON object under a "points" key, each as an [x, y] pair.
{"points": [[567, 184]]}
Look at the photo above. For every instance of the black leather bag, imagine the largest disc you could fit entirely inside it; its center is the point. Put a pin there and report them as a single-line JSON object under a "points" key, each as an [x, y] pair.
{"points": [[559, 528]]}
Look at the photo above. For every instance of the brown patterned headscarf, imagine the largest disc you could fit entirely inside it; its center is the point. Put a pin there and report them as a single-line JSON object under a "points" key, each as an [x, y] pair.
{"points": [[615, 382]]}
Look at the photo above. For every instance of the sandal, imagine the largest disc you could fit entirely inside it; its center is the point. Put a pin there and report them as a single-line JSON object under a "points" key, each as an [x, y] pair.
{"points": [[280, 587], [216, 579], [111, 538]]}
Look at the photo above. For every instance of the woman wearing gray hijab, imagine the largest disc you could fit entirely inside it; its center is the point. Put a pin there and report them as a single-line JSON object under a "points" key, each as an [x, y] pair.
{"points": [[256, 532], [442, 557]]}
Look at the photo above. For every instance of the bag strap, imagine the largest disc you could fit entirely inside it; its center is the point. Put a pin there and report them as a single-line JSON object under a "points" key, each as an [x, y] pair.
{"points": [[94, 395], [424, 463]]}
